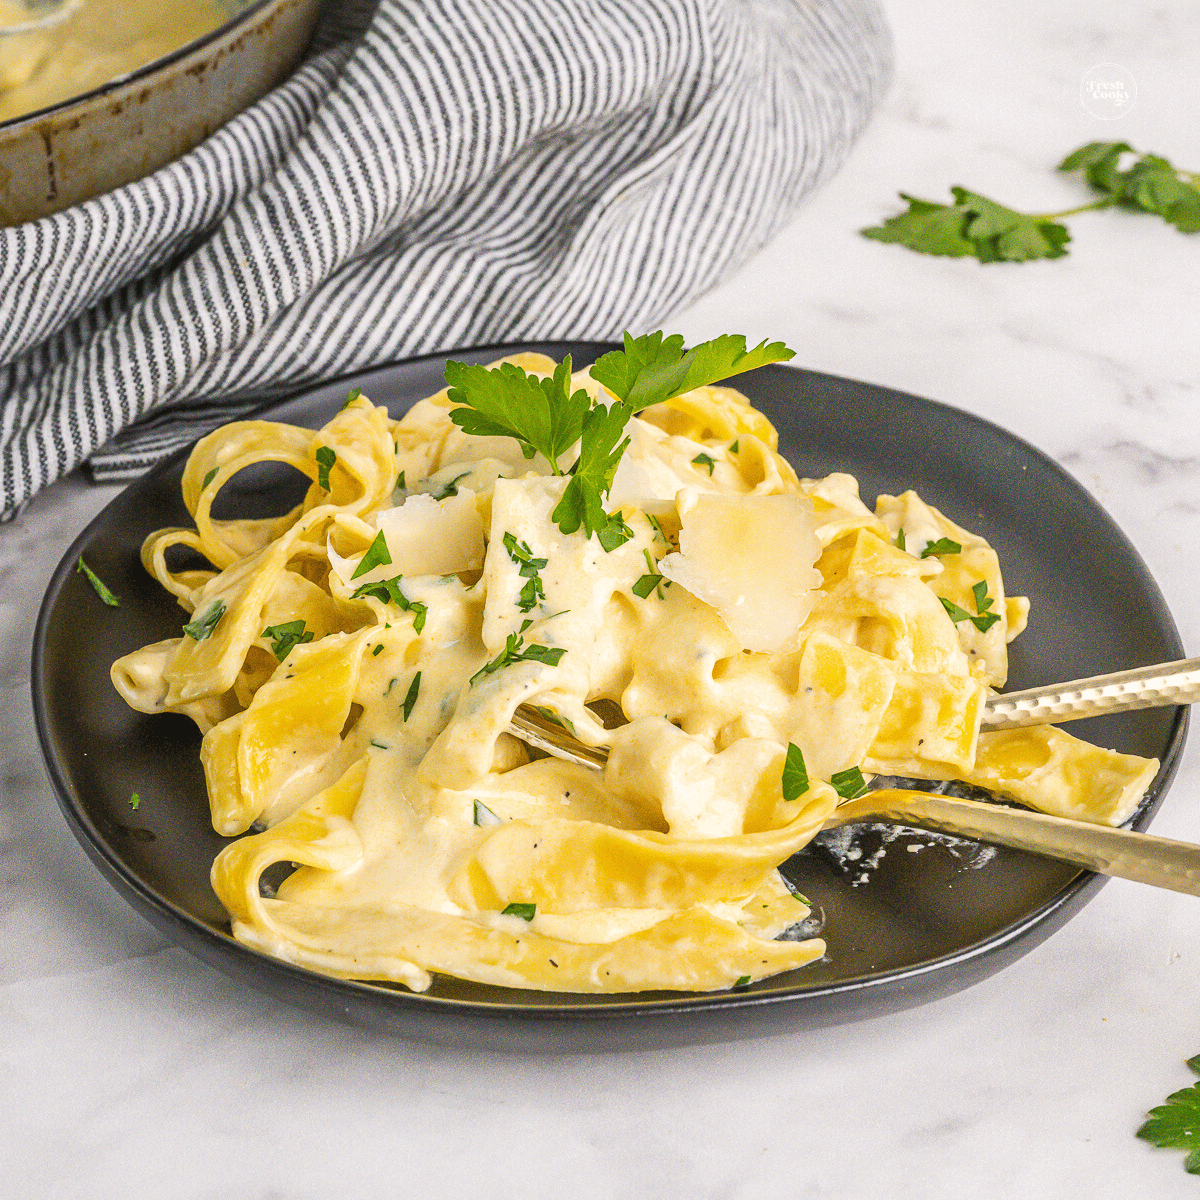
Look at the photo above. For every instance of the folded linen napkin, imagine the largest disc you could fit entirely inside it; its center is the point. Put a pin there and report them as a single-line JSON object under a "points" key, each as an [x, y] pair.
{"points": [[448, 173]]}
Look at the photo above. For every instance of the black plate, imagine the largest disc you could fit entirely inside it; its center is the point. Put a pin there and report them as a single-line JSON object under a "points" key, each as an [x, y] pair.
{"points": [[918, 926]]}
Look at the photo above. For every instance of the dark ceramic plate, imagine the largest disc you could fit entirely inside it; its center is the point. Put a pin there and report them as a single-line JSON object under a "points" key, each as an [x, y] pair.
{"points": [[911, 928]]}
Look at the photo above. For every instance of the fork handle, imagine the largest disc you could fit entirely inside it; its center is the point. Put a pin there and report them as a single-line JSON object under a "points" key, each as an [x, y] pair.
{"points": [[1121, 852], [1143, 687]]}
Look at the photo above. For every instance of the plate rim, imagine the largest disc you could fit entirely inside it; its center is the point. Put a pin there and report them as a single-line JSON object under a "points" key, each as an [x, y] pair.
{"points": [[163, 913]]}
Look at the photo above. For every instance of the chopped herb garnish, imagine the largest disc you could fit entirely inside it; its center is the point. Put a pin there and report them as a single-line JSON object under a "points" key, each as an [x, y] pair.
{"points": [[203, 626], [615, 533], [351, 397], [484, 815], [982, 600], [134, 801], [525, 911], [703, 460], [530, 594], [652, 581], [743, 981], [529, 567], [795, 773], [325, 457], [286, 636], [376, 556], [450, 489], [941, 546], [658, 529], [554, 718], [1175, 1125], [900, 543], [733, 446], [849, 784], [391, 684], [388, 590], [983, 622], [379, 745], [516, 651], [414, 690], [98, 585], [400, 481], [802, 898], [209, 478], [377, 651]]}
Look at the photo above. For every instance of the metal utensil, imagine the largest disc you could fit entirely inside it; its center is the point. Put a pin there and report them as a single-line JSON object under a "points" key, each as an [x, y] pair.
{"points": [[1155, 686]]}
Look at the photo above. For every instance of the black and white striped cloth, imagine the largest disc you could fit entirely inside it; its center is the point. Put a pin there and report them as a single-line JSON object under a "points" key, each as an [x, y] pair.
{"points": [[459, 172]]}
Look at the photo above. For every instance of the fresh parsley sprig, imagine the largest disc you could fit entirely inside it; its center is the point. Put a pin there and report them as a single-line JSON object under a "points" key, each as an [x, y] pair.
{"points": [[1175, 1125], [545, 416], [993, 232]]}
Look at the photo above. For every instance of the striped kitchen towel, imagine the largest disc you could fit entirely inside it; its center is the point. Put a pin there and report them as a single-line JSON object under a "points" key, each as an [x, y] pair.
{"points": [[451, 173]]}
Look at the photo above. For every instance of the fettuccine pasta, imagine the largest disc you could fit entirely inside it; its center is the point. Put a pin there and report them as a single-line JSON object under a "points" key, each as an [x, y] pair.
{"points": [[354, 665]]}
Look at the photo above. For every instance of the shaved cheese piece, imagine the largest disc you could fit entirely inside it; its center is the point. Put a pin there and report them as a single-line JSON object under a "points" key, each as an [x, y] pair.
{"points": [[751, 558]]}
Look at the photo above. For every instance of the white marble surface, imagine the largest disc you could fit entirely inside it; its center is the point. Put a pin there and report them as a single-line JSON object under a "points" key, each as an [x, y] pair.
{"points": [[129, 1069]]}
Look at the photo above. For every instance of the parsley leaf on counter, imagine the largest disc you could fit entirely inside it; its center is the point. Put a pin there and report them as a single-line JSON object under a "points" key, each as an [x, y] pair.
{"points": [[795, 773], [98, 585], [1175, 1125], [1150, 185], [286, 636], [203, 627], [992, 232]]}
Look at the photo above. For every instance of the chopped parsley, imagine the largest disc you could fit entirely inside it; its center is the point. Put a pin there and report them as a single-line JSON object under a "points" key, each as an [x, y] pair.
{"points": [[984, 621], [400, 481], [286, 636], [615, 533], [377, 651], [734, 447], [941, 546], [900, 543], [98, 585], [325, 457], [704, 460], [209, 478], [652, 581], [554, 718], [450, 489], [795, 773], [742, 981], [388, 590], [134, 801], [350, 398], [656, 524], [525, 911], [849, 784], [516, 651], [377, 555], [414, 690], [528, 567], [203, 627]]}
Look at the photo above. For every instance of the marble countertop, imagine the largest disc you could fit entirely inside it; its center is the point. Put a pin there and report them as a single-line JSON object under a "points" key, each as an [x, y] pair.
{"points": [[130, 1069]]}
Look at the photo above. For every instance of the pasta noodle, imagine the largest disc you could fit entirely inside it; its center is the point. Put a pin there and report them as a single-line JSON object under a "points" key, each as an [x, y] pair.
{"points": [[354, 665]]}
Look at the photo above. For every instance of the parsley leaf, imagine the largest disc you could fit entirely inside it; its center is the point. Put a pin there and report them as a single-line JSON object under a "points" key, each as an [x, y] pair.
{"points": [[209, 478], [973, 225], [983, 622], [203, 627], [376, 556], [651, 368], [528, 567], [505, 401], [414, 690], [795, 773], [525, 911], [941, 546], [599, 453], [516, 651], [742, 981], [325, 457], [703, 460], [98, 585], [351, 396], [400, 482], [484, 815], [1150, 185], [652, 581], [286, 636], [134, 801], [1175, 1125], [388, 590], [849, 784], [900, 542], [615, 533], [451, 488]]}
